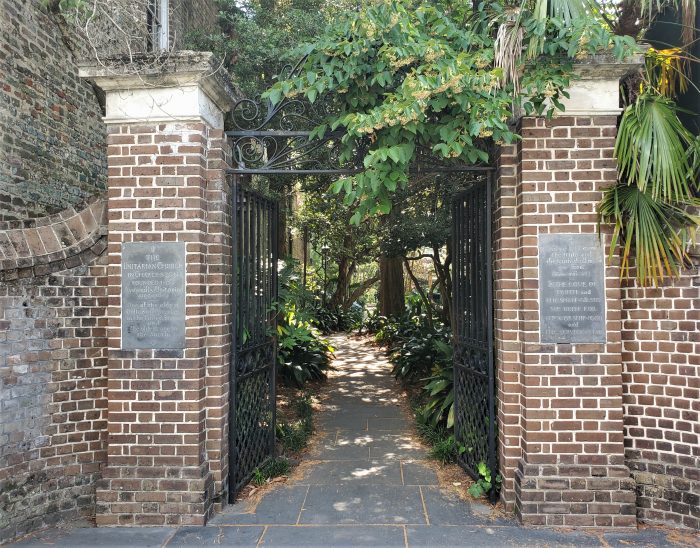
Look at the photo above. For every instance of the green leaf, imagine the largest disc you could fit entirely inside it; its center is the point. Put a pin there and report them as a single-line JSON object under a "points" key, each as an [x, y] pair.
{"points": [[338, 186], [274, 95], [651, 148], [385, 205], [475, 490]]}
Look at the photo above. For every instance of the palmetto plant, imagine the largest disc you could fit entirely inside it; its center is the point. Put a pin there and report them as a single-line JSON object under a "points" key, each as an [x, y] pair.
{"points": [[652, 205]]}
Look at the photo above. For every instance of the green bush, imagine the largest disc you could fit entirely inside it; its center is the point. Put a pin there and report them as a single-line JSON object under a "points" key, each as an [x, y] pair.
{"points": [[414, 345], [485, 482], [439, 408], [443, 446], [303, 354], [373, 322], [334, 320]]}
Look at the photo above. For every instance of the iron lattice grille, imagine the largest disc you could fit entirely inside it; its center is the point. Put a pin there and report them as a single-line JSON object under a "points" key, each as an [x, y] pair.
{"points": [[252, 406], [474, 378]]}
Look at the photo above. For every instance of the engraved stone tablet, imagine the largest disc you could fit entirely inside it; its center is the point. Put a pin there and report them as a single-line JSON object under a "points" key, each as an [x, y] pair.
{"points": [[572, 288], [153, 295]]}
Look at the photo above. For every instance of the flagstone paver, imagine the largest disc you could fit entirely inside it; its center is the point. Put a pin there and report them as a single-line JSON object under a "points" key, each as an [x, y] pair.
{"points": [[366, 484]]}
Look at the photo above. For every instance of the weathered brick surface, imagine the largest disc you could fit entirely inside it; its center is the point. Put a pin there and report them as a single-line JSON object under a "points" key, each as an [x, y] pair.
{"points": [[167, 450], [188, 17], [560, 405], [661, 373], [35, 247], [52, 154], [53, 396]]}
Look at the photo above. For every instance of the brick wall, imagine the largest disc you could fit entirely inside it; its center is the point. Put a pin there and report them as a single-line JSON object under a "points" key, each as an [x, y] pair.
{"points": [[52, 149], [189, 17], [52, 368], [167, 450], [661, 393], [506, 314], [560, 405]]}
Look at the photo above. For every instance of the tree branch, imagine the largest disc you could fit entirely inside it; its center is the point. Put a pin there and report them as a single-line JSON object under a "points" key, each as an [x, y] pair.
{"points": [[360, 290], [416, 283]]}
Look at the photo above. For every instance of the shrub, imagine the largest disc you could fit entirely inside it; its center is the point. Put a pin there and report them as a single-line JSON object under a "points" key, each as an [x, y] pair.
{"points": [[373, 323], [443, 446], [484, 484], [303, 355], [439, 408], [415, 346], [333, 320]]}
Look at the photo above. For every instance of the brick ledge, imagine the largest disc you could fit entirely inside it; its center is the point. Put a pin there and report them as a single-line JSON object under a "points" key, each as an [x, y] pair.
{"points": [[51, 243]]}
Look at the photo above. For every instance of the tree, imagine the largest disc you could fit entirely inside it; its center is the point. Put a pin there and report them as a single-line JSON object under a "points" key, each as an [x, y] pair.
{"points": [[652, 205], [326, 220], [391, 286], [422, 230], [259, 38], [448, 77], [409, 75]]}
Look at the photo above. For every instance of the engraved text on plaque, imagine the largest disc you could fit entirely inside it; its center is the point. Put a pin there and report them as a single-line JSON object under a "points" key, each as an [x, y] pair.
{"points": [[572, 288], [153, 295]]}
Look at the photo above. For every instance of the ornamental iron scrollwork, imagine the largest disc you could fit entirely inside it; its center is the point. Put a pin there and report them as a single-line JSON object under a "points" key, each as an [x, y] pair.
{"points": [[278, 138]]}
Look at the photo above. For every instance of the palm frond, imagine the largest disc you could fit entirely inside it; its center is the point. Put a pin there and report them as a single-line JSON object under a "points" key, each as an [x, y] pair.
{"points": [[568, 10], [651, 149], [688, 9], [659, 233], [508, 49], [666, 71]]}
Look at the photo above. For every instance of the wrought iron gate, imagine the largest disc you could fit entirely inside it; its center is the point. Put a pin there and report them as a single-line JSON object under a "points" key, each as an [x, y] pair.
{"points": [[254, 344], [474, 377]]}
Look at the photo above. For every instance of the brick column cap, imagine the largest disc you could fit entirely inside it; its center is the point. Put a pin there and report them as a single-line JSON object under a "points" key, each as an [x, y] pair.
{"points": [[182, 86], [595, 86]]}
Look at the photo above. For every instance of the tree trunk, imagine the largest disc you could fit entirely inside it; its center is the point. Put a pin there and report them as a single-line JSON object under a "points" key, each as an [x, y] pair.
{"points": [[444, 281], [342, 287], [391, 286], [416, 283]]}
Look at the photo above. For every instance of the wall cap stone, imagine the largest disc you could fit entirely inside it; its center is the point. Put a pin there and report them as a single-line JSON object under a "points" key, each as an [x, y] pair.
{"points": [[187, 85], [595, 86], [604, 66]]}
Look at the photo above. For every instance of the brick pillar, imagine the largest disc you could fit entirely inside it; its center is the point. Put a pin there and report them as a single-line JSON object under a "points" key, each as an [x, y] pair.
{"points": [[166, 406], [560, 405]]}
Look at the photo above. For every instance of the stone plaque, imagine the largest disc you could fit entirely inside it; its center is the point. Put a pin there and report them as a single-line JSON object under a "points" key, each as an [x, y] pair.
{"points": [[572, 288], [153, 295]]}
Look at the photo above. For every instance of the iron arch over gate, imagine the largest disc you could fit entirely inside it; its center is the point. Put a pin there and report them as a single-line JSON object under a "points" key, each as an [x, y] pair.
{"points": [[278, 139]]}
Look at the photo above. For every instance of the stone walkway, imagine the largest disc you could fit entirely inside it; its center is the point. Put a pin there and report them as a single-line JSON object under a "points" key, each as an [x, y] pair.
{"points": [[363, 484]]}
